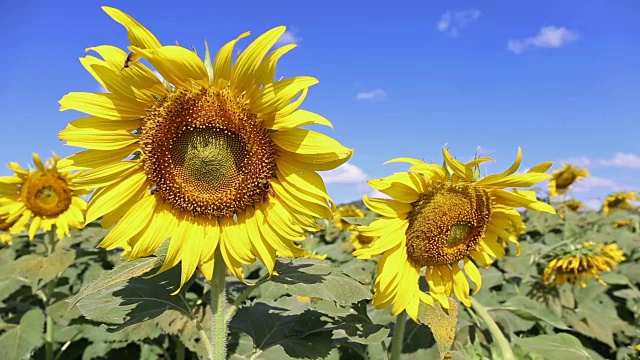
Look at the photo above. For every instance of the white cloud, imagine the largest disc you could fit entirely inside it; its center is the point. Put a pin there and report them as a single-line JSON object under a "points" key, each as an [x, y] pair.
{"points": [[289, 37], [345, 174], [376, 94], [622, 160], [453, 22], [548, 37], [593, 204], [594, 182]]}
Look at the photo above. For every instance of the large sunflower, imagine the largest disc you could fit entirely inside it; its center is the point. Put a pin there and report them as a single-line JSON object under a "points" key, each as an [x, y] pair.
{"points": [[43, 194], [619, 200], [214, 159], [562, 179], [441, 219]]}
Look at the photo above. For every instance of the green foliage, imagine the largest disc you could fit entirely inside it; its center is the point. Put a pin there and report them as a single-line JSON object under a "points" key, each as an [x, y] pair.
{"points": [[105, 307]]}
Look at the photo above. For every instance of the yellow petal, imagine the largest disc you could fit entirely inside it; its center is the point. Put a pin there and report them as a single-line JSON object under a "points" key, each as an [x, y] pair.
{"points": [[176, 64], [275, 96], [223, 63], [108, 174], [106, 106], [297, 119], [110, 197], [97, 139], [473, 273], [387, 207], [131, 223], [316, 146], [138, 35], [90, 159]]}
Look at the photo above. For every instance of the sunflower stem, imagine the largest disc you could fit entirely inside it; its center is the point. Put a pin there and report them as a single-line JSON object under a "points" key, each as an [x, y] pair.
{"points": [[218, 305], [398, 335], [498, 336], [50, 244]]}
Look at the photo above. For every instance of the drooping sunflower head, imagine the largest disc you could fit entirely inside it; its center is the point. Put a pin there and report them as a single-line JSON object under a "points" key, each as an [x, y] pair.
{"points": [[580, 264], [562, 179], [346, 211], [442, 219], [622, 223], [214, 158], [6, 228], [573, 205], [44, 195], [359, 240], [619, 201]]}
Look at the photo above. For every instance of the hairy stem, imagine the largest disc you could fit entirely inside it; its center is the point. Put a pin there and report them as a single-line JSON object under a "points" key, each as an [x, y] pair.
{"points": [[218, 308], [398, 336], [498, 336], [50, 244]]}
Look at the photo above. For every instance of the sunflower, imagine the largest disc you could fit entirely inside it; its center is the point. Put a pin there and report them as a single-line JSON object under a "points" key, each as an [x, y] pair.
{"points": [[562, 179], [5, 236], [573, 205], [43, 194], [622, 223], [359, 240], [346, 211], [581, 264], [438, 218], [619, 200], [216, 159]]}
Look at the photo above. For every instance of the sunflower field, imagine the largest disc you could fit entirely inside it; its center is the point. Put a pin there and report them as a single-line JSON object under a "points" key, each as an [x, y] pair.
{"points": [[193, 223]]}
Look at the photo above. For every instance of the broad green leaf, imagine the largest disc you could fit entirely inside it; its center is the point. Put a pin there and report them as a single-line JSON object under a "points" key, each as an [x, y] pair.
{"points": [[136, 300], [314, 278], [36, 270], [614, 278], [303, 335], [121, 273], [361, 330], [531, 310], [556, 346], [20, 341]]}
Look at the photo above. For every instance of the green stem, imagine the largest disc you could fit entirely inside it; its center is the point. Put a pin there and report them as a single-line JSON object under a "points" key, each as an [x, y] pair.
{"points": [[50, 244], [498, 336], [180, 350], [398, 336], [218, 305], [245, 294]]}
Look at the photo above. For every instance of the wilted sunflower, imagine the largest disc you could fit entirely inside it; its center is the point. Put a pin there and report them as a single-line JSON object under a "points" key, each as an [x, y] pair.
{"points": [[218, 159], [619, 200], [346, 211], [564, 178], [43, 194], [581, 264], [439, 217]]}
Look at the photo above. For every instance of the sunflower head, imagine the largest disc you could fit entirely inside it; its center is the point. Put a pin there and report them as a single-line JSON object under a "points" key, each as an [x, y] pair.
{"points": [[580, 264], [443, 219], [572, 205], [346, 211], [44, 195], [5, 229], [359, 241], [216, 160], [562, 179], [622, 223], [619, 201]]}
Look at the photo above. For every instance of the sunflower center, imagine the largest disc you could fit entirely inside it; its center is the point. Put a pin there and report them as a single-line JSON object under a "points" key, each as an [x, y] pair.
{"points": [[46, 194], [207, 153], [565, 179], [446, 223]]}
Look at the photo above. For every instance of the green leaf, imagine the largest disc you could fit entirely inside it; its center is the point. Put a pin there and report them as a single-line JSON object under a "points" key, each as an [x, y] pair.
{"points": [[20, 341], [529, 309], [303, 336], [121, 273], [36, 270], [136, 300], [556, 346], [361, 330], [314, 278], [614, 279]]}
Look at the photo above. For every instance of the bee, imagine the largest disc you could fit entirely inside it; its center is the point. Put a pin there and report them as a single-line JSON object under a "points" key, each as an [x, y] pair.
{"points": [[128, 61], [268, 190], [153, 189]]}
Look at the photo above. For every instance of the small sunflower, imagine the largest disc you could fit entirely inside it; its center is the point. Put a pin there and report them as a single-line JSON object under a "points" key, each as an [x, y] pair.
{"points": [[359, 240], [581, 264], [619, 200], [43, 194], [573, 205], [622, 223], [562, 179], [5, 226], [346, 211], [439, 218], [214, 159]]}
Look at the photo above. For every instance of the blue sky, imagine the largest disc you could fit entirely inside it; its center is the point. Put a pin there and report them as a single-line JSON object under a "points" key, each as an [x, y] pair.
{"points": [[396, 79]]}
